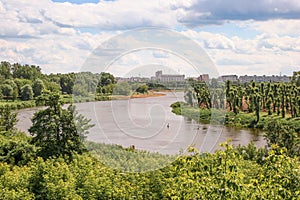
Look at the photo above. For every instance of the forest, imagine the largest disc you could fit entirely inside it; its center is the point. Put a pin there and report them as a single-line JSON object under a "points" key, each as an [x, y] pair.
{"points": [[56, 161]]}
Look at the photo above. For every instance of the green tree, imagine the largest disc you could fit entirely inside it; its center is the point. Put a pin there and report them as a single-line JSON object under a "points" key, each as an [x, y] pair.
{"points": [[142, 89], [7, 91], [20, 83], [26, 92], [227, 92], [122, 88], [5, 68], [257, 107], [8, 119], [268, 105], [189, 96], [56, 130], [37, 87], [80, 90], [30, 72], [106, 79], [284, 136], [15, 92], [296, 78], [67, 83], [15, 148]]}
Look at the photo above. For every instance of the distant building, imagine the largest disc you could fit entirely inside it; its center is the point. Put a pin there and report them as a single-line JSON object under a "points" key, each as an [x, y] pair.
{"points": [[225, 78], [159, 76], [121, 79], [132, 79], [264, 78], [203, 77]]}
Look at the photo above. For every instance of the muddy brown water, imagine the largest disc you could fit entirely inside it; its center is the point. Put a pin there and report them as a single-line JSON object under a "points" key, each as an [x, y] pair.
{"points": [[143, 122]]}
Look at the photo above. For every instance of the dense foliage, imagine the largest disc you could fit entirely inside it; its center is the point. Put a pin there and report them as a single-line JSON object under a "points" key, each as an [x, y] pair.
{"points": [[229, 174]]}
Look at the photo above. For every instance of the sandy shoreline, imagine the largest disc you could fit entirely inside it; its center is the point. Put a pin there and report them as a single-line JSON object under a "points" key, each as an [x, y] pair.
{"points": [[134, 96]]}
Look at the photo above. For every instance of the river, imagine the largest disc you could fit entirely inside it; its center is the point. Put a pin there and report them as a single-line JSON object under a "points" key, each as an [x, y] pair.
{"points": [[143, 122]]}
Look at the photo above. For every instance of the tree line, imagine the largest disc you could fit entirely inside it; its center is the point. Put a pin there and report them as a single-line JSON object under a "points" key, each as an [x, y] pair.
{"points": [[26, 82], [278, 98]]}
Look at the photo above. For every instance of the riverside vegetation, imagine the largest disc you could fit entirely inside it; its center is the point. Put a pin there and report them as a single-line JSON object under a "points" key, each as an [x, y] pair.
{"points": [[53, 163], [274, 107], [20, 85]]}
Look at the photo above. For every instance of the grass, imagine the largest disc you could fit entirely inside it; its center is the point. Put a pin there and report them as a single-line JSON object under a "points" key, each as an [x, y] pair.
{"points": [[18, 104]]}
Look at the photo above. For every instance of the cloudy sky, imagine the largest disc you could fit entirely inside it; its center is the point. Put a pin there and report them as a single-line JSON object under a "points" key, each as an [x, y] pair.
{"points": [[239, 36]]}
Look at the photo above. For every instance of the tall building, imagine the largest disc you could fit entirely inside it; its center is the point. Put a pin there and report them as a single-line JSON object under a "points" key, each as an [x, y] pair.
{"points": [[159, 76]]}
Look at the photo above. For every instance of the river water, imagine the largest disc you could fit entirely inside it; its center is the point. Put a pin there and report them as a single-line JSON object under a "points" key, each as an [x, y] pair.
{"points": [[143, 122]]}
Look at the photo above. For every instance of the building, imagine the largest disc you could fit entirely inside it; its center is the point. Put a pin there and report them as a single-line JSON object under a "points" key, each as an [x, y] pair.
{"points": [[203, 77], [133, 79], [225, 78], [264, 78], [159, 76]]}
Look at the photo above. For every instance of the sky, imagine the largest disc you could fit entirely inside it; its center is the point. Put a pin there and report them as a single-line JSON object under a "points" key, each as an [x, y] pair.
{"points": [[257, 37]]}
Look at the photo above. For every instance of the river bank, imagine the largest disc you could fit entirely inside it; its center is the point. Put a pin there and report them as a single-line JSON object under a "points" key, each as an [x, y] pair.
{"points": [[240, 120], [68, 99], [138, 95]]}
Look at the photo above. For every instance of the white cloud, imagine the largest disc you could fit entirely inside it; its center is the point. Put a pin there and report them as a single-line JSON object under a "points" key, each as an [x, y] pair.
{"points": [[203, 12], [265, 54], [279, 27], [60, 36]]}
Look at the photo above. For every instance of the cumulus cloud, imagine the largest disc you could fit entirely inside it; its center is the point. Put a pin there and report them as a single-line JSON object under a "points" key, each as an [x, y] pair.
{"points": [[202, 12], [265, 54], [281, 27], [60, 36]]}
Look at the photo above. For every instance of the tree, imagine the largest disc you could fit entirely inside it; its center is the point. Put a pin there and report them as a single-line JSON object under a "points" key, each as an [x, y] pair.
{"points": [[106, 79], [283, 135], [7, 119], [228, 94], [15, 148], [268, 104], [296, 78], [56, 130], [142, 89], [37, 87], [188, 96], [257, 106], [27, 72], [7, 91], [14, 86], [20, 83], [122, 88], [26, 92], [67, 83], [52, 86], [5, 68]]}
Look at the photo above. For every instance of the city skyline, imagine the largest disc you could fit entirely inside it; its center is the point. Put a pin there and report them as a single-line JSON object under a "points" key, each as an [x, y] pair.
{"points": [[161, 76]]}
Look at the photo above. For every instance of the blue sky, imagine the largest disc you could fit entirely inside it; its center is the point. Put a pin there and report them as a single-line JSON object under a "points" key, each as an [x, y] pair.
{"points": [[239, 37]]}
